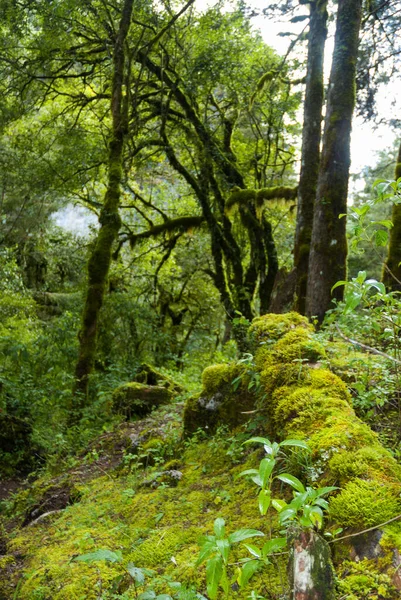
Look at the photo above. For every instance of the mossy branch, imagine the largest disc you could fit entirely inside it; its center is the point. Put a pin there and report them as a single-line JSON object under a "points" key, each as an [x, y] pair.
{"points": [[179, 224], [245, 197]]}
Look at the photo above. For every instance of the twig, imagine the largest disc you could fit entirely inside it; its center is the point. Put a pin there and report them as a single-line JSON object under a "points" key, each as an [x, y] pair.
{"points": [[368, 348], [345, 537]]}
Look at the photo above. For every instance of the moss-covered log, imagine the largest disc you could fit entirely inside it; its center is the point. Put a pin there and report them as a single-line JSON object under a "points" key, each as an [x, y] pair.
{"points": [[310, 157], [110, 222], [327, 263], [392, 266]]}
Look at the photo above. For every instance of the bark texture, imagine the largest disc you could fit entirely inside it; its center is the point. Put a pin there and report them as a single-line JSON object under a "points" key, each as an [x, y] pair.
{"points": [[310, 158], [110, 222], [327, 262], [392, 266], [310, 571]]}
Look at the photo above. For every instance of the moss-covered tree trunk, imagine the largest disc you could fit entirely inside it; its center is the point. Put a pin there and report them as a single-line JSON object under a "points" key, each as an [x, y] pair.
{"points": [[327, 261], [392, 266], [310, 571], [99, 261], [310, 158]]}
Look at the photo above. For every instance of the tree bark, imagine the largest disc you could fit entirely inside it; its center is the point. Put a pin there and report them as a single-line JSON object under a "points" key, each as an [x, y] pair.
{"points": [[110, 222], [310, 571], [310, 157], [392, 266], [327, 261]]}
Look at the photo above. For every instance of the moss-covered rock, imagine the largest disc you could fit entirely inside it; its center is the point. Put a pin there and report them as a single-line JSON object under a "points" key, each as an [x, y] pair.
{"points": [[137, 399], [148, 375], [224, 400]]}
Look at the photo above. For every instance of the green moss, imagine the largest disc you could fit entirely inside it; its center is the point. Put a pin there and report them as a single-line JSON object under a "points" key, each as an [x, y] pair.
{"points": [[368, 461], [136, 399], [362, 580], [298, 344], [216, 376], [272, 327], [363, 503]]}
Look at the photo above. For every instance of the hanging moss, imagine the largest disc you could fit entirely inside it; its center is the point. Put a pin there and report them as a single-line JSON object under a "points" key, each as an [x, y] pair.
{"points": [[245, 197]]}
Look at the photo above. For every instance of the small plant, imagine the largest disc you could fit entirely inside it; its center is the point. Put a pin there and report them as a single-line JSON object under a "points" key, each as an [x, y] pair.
{"points": [[308, 504], [216, 550]]}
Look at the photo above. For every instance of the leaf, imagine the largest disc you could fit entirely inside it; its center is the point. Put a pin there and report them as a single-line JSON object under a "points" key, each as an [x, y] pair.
{"points": [[164, 597], [244, 534], [278, 504], [214, 572], [286, 514], [326, 490], [137, 574], [219, 527], [207, 549], [254, 550], [264, 501], [107, 555], [149, 595], [158, 517], [373, 283], [274, 545], [258, 440], [292, 481], [247, 571], [249, 472], [338, 284], [296, 443], [224, 549], [265, 470], [299, 18]]}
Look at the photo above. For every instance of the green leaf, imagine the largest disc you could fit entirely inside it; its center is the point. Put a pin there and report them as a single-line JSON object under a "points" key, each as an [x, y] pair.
{"points": [[258, 440], [254, 550], [278, 504], [164, 597], [214, 572], [247, 571], [265, 470], [292, 481], [224, 549], [249, 472], [264, 501], [286, 514], [107, 555], [137, 574], [244, 534], [338, 284], [373, 283], [219, 527], [206, 550], [326, 490], [296, 443], [274, 545], [149, 595]]}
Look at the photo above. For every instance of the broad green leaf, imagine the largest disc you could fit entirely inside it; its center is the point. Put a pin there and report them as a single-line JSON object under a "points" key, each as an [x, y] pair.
{"points": [[107, 555], [207, 549], [149, 595], [219, 527], [265, 470], [296, 443], [286, 514], [137, 574], [326, 490], [380, 287], [164, 597], [264, 501], [254, 550], [214, 572], [258, 440], [224, 549], [274, 545], [278, 504], [338, 284], [292, 481], [249, 472], [244, 534], [247, 571]]}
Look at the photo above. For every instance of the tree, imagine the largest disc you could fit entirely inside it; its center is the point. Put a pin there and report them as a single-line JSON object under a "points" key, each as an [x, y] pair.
{"points": [[392, 266], [327, 263], [310, 156]]}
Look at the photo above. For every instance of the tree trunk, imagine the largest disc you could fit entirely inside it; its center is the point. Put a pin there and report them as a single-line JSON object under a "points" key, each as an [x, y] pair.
{"points": [[310, 158], [310, 571], [392, 266], [110, 222], [327, 262]]}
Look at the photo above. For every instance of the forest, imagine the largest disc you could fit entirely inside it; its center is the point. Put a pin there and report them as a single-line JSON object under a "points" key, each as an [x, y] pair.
{"points": [[200, 310]]}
